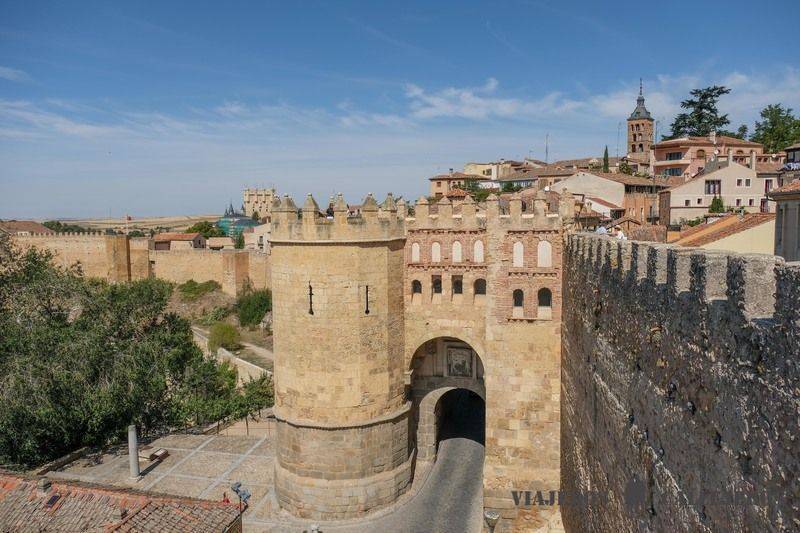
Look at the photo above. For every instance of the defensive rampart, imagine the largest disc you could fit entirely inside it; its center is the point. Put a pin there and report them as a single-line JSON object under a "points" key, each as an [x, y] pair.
{"points": [[99, 255], [680, 389]]}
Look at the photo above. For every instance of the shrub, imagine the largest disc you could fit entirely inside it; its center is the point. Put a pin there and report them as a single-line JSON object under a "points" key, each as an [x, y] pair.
{"points": [[223, 335], [215, 315], [191, 290], [716, 205], [252, 306]]}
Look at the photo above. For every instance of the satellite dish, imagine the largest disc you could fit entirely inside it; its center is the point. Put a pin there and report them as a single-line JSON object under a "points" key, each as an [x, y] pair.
{"points": [[547, 188]]}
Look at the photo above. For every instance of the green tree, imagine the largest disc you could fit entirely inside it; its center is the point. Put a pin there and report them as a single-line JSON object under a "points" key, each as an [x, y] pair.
{"points": [[778, 128], [206, 228], [136, 233], [238, 241], [702, 117], [60, 227], [256, 216], [625, 168], [478, 193], [510, 187], [81, 359], [605, 159], [252, 306], [716, 205], [223, 335]]}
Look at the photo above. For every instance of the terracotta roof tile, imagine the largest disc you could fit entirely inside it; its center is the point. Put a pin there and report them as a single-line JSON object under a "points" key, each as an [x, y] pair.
{"points": [[727, 226], [789, 188], [161, 237]]}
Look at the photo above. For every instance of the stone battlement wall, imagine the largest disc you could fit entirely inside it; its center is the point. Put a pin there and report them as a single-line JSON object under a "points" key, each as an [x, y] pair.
{"points": [[99, 255], [680, 389], [230, 268]]}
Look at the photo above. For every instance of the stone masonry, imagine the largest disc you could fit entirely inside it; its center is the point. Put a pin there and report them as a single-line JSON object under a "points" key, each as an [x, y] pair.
{"points": [[680, 389]]}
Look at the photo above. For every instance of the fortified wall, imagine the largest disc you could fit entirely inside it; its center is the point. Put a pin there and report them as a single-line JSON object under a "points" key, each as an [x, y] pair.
{"points": [[680, 389], [118, 258]]}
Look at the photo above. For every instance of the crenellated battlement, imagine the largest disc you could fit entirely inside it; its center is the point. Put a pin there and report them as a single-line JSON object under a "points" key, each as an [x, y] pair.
{"points": [[374, 223], [491, 216], [754, 286]]}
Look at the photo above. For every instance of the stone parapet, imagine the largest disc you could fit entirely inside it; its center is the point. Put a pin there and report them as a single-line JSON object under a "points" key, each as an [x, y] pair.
{"points": [[680, 388]]}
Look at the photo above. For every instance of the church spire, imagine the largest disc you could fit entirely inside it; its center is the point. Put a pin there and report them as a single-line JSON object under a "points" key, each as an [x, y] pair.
{"points": [[641, 111]]}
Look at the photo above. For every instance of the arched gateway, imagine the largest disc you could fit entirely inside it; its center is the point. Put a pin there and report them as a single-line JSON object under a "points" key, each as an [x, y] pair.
{"points": [[440, 368]]}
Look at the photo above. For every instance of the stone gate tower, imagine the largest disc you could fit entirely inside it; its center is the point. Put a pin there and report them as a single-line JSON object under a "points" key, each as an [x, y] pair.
{"points": [[342, 442]]}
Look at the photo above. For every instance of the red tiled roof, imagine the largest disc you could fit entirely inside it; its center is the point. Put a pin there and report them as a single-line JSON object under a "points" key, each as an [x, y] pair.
{"points": [[721, 139], [627, 179], [600, 201], [162, 237], [771, 167], [725, 227], [789, 188], [23, 226], [457, 193], [75, 506], [459, 176]]}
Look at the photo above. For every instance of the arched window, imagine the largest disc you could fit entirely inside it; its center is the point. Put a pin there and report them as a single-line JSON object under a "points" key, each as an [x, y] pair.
{"points": [[641, 147], [436, 252], [545, 301], [519, 304], [477, 252], [415, 252], [480, 287], [701, 154], [456, 252], [544, 254], [519, 250], [436, 284], [416, 287], [633, 148]]}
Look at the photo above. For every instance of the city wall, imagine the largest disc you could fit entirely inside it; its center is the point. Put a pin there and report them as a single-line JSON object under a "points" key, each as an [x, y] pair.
{"points": [[117, 258], [680, 389]]}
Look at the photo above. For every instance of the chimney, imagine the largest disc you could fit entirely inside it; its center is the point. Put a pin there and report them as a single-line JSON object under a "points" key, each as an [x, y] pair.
{"points": [[451, 171], [753, 159], [133, 451], [730, 155]]}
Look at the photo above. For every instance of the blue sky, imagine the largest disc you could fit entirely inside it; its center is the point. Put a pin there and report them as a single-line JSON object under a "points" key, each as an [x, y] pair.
{"points": [[153, 108]]}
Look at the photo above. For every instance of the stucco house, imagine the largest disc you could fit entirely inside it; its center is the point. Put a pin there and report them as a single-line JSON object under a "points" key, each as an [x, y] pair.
{"points": [[442, 184], [787, 222], [746, 233], [739, 186], [176, 241], [686, 156]]}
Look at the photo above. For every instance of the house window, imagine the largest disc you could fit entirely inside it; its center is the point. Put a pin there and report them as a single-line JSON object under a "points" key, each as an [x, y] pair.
{"points": [[415, 252], [714, 187], [701, 154], [738, 202], [436, 284], [672, 171], [477, 252], [416, 287], [517, 260], [544, 254], [687, 203], [767, 186], [751, 202], [456, 252], [641, 147], [480, 287], [436, 252], [747, 182], [519, 304], [739, 182], [458, 285], [699, 201], [545, 301], [674, 156]]}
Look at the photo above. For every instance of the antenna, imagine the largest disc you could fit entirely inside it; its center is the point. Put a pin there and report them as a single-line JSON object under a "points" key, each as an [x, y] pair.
{"points": [[619, 125], [547, 148]]}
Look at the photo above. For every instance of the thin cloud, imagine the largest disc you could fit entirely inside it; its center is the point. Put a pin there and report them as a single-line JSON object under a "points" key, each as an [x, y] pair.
{"points": [[12, 74]]}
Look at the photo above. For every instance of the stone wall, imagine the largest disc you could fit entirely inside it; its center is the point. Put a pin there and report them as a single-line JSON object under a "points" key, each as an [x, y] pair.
{"points": [[99, 255], [680, 389]]}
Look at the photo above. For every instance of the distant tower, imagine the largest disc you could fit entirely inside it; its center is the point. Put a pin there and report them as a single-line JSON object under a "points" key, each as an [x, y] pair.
{"points": [[640, 131], [342, 442]]}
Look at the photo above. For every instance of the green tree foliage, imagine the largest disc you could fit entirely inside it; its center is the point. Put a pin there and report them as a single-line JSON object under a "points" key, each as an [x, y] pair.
{"points": [[478, 193], [605, 159], [778, 128], [136, 233], [252, 306], [191, 290], [625, 168], [256, 216], [223, 335], [81, 359], [716, 205], [60, 227], [206, 228], [238, 241], [703, 116], [510, 187]]}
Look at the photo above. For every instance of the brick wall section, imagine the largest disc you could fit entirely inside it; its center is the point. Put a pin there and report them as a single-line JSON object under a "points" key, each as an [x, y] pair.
{"points": [[680, 389]]}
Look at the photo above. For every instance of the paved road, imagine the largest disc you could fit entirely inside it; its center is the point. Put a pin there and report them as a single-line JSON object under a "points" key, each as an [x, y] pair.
{"points": [[451, 499]]}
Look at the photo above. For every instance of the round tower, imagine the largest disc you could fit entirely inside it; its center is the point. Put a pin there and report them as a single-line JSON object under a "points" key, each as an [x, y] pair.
{"points": [[342, 444]]}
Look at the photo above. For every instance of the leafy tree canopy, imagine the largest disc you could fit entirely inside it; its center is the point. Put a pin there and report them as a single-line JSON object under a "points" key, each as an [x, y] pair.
{"points": [[778, 128], [702, 116], [81, 359], [60, 227], [238, 241], [206, 228]]}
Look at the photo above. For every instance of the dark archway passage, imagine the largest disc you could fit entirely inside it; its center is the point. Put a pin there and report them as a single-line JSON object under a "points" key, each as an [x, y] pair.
{"points": [[461, 414]]}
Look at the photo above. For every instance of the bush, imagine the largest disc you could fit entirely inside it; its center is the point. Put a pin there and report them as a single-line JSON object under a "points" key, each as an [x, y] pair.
{"points": [[223, 335], [252, 306], [217, 314], [191, 290], [716, 205]]}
